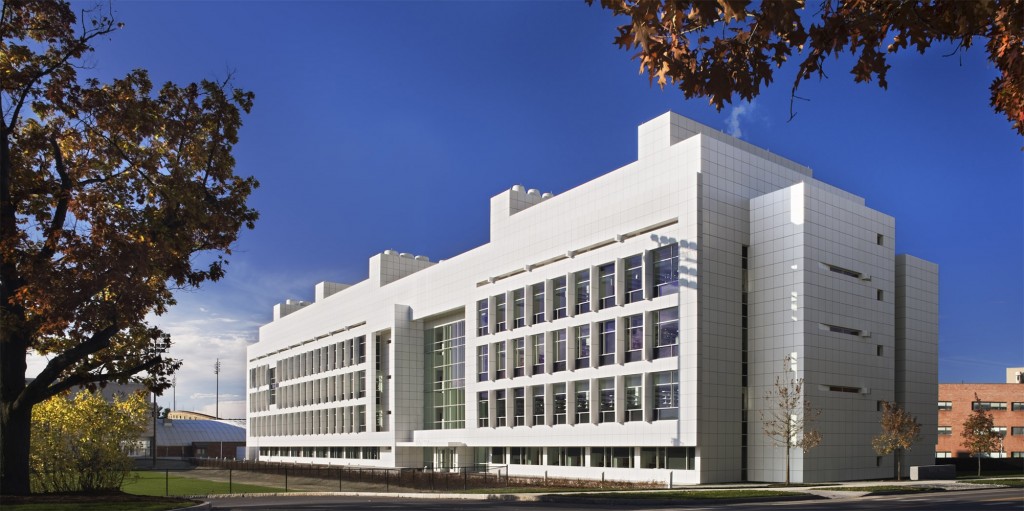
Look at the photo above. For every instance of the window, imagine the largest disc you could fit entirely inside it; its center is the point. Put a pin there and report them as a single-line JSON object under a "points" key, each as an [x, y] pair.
{"points": [[498, 455], [481, 317], [565, 456], [538, 303], [448, 362], [987, 405], [362, 348], [677, 458], [843, 271], [499, 313], [666, 270], [524, 455], [538, 353], [841, 388], [1017, 407], [607, 344], [945, 430], [943, 454], [519, 357], [606, 284], [879, 295], [560, 351], [880, 350], [482, 409], [606, 387], [499, 360], [560, 304], [582, 401], [843, 330], [481, 363], [272, 393], [621, 457], [666, 332], [999, 430], [666, 395], [518, 308], [582, 346], [582, 279], [634, 337], [560, 402], [945, 405], [1017, 430], [634, 278], [519, 406], [879, 239], [1017, 454], [538, 405], [634, 398], [500, 410]]}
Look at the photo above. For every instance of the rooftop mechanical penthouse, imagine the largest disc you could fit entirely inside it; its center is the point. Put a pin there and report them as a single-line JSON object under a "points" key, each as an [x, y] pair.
{"points": [[626, 329]]}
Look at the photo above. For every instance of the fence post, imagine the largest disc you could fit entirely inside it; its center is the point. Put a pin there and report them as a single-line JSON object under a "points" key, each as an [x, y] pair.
{"points": [[230, 482], [286, 479], [339, 480], [506, 476], [167, 483], [465, 479], [387, 487]]}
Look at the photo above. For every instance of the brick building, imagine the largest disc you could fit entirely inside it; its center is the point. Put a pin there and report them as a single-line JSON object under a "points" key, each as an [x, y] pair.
{"points": [[1004, 401]]}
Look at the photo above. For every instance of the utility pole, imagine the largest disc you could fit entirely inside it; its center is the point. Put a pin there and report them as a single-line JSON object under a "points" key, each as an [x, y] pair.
{"points": [[216, 371]]}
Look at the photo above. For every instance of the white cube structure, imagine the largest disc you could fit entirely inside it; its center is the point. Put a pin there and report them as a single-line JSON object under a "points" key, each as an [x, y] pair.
{"points": [[626, 329]]}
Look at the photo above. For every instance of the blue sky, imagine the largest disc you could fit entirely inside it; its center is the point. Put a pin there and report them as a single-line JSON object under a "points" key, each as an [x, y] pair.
{"points": [[390, 125]]}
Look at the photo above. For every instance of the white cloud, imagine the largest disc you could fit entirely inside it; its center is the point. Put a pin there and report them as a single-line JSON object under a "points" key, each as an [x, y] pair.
{"points": [[732, 123], [228, 409]]}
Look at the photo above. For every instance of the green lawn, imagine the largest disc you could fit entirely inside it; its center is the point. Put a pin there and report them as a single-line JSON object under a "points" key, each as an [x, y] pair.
{"points": [[153, 483]]}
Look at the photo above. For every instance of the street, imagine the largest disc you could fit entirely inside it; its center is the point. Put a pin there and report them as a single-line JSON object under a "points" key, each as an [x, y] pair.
{"points": [[995, 499]]}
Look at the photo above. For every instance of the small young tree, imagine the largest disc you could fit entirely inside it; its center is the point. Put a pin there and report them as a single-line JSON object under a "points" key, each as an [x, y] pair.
{"points": [[899, 432], [977, 434], [81, 443], [787, 417]]}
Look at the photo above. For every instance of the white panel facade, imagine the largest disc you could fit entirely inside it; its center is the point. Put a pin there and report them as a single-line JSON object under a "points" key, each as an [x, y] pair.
{"points": [[601, 332]]}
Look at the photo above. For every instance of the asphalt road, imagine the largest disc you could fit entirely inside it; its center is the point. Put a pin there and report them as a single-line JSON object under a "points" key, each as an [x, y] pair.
{"points": [[999, 499]]}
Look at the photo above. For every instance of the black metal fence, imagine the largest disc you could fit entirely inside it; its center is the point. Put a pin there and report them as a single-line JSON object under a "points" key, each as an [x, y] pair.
{"points": [[218, 476]]}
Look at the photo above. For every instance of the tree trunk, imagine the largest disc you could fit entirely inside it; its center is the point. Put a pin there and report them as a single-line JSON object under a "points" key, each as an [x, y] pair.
{"points": [[979, 465], [15, 415], [899, 472], [787, 465], [15, 433]]}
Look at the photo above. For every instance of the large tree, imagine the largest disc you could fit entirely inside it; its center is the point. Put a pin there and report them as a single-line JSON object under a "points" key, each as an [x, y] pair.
{"points": [[899, 432], [723, 48], [112, 196]]}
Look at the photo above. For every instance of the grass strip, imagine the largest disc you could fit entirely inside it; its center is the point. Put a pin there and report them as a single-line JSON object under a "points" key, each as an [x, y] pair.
{"points": [[1013, 483], [160, 484], [881, 490], [685, 494]]}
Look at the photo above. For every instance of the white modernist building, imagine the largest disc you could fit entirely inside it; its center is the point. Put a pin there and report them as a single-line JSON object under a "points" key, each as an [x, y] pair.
{"points": [[628, 328]]}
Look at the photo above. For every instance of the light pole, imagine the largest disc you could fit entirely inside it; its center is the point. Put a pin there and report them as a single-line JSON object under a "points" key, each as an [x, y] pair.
{"points": [[161, 345], [216, 371]]}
